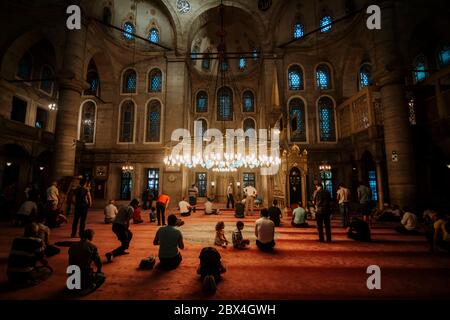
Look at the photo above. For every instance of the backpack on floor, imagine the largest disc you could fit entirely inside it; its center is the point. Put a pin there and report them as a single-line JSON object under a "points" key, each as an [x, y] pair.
{"points": [[209, 285], [147, 263]]}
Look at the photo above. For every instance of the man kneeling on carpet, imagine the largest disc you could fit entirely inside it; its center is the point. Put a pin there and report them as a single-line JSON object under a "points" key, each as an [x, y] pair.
{"points": [[210, 269], [83, 254], [169, 239], [359, 230], [265, 232], [185, 208]]}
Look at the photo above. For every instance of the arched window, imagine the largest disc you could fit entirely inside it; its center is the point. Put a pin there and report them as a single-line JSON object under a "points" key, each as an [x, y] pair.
{"points": [[153, 121], [194, 53], [420, 66], [25, 66], [155, 80], [327, 130], [127, 122], [326, 24], [364, 76], [297, 117], [87, 125], [206, 62], [323, 77], [94, 84], [153, 35], [249, 123], [295, 78], [224, 104], [107, 15], [128, 31], [223, 64], [298, 30], [444, 55], [242, 63], [129, 81], [248, 101], [46, 83], [201, 102]]}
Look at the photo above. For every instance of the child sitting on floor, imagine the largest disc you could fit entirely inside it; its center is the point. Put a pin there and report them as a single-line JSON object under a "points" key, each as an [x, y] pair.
{"points": [[152, 214], [137, 216], [238, 241], [220, 235]]}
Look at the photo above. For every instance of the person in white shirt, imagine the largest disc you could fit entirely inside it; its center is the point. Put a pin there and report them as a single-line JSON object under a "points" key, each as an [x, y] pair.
{"points": [[265, 232], [185, 208], [110, 212], [251, 194], [53, 196], [343, 198], [409, 222], [230, 198], [26, 213], [209, 208]]}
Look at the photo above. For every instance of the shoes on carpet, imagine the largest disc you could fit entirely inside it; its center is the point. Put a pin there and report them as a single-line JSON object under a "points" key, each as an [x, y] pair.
{"points": [[109, 257]]}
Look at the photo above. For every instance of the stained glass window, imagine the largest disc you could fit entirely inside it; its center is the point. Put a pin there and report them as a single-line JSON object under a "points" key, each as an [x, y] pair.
{"points": [[223, 65], [153, 181], [326, 120], [297, 115], [224, 104], [127, 122], [41, 118], [126, 184], [194, 53], [248, 179], [206, 62], [202, 102], [323, 77], [87, 122], [92, 79], [153, 121], [202, 183], [248, 102], [255, 54], [24, 67], [325, 24], [298, 31], [129, 81], [420, 66], [444, 55], [242, 63], [128, 31], [327, 181], [46, 83], [364, 76], [154, 35], [155, 80], [373, 184], [295, 78]]}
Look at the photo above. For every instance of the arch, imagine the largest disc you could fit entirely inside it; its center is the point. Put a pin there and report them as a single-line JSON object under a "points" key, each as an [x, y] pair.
{"points": [[326, 117], [46, 85], [249, 123], [248, 101], [298, 120], [155, 80], [324, 76], [127, 121], [129, 81], [102, 61], [25, 66], [153, 122], [87, 121], [205, 124], [201, 101], [224, 104], [295, 77], [107, 15], [154, 35]]}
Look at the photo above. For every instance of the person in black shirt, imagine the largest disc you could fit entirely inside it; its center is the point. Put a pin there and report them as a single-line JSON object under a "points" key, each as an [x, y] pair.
{"points": [[275, 213], [359, 230], [322, 200], [210, 268], [82, 202]]}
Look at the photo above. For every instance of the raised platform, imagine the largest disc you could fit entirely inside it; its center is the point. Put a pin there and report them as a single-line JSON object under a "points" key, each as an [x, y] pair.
{"points": [[299, 268]]}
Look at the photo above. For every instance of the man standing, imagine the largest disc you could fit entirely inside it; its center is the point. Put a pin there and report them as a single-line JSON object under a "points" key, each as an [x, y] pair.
{"points": [[265, 232], [250, 193], [193, 194], [121, 228], [364, 197], [53, 196], [169, 239], [82, 202], [323, 212], [230, 198], [343, 198], [161, 205]]}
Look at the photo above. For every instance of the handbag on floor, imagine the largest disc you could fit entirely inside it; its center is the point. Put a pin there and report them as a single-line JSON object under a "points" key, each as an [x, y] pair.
{"points": [[147, 263]]}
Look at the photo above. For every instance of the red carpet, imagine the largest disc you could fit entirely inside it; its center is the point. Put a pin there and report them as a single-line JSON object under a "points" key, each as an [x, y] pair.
{"points": [[300, 267]]}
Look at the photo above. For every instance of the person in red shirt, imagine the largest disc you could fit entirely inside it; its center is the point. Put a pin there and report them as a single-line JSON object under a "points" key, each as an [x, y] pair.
{"points": [[137, 216], [161, 205]]}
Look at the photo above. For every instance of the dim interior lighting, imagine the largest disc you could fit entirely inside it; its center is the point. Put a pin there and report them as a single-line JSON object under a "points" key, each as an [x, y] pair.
{"points": [[52, 107], [9, 164], [41, 168], [213, 183], [238, 184], [127, 167], [325, 167], [448, 166]]}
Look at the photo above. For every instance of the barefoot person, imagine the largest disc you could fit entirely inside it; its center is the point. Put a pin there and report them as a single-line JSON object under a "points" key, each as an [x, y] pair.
{"points": [[169, 239]]}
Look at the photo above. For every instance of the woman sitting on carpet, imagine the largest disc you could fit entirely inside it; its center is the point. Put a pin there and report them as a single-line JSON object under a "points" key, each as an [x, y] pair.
{"points": [[220, 235]]}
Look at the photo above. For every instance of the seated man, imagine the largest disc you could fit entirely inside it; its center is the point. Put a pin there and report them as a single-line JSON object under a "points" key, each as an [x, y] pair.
{"points": [[169, 239], [439, 237], [209, 207], [25, 253], [26, 213], [299, 217], [185, 208], [44, 234], [265, 232], [359, 230], [83, 254], [239, 211], [110, 212], [259, 200], [210, 265], [409, 223], [275, 213]]}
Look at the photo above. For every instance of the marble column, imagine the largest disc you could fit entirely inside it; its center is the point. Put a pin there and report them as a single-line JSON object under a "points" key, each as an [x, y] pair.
{"points": [[70, 88], [397, 131]]}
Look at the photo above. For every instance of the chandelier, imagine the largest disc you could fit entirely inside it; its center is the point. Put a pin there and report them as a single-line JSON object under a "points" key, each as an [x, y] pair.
{"points": [[325, 167], [127, 167]]}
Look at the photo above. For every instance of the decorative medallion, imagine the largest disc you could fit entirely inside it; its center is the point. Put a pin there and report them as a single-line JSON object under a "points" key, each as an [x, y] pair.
{"points": [[183, 6], [264, 5]]}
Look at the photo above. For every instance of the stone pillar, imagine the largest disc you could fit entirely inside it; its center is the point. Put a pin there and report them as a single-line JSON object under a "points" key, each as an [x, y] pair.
{"points": [[397, 132], [304, 191], [70, 89], [379, 185], [440, 101]]}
